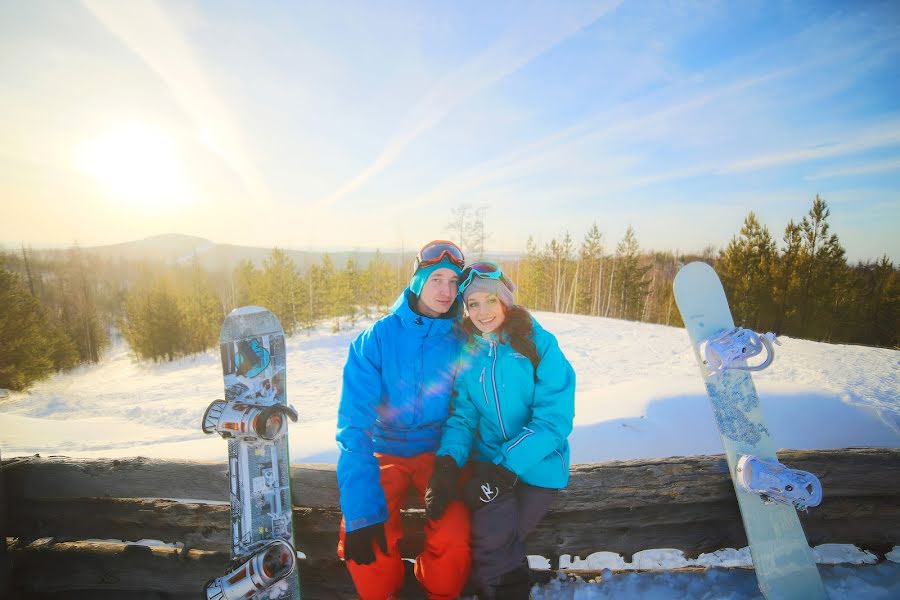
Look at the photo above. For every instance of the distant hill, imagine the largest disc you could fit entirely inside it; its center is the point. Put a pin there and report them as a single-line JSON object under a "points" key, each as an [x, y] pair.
{"points": [[178, 248], [171, 247]]}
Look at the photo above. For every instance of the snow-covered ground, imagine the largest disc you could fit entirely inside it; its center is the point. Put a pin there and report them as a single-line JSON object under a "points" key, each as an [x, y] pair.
{"points": [[639, 395]]}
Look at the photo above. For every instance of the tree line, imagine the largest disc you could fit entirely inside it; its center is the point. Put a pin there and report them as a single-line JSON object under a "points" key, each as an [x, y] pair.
{"points": [[804, 289], [50, 316], [60, 309]]}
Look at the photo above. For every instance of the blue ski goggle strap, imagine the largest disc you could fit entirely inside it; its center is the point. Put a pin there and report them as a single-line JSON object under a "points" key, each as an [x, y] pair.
{"points": [[484, 270], [434, 252]]}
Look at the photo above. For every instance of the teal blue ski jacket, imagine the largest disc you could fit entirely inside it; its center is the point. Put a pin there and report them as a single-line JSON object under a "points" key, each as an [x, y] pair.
{"points": [[513, 418], [397, 384]]}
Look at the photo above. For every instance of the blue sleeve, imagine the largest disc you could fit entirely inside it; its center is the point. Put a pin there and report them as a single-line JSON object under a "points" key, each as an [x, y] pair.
{"points": [[358, 473], [553, 410], [458, 434]]}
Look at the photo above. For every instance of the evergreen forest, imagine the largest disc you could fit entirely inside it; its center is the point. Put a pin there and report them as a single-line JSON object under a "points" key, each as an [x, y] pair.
{"points": [[60, 309]]}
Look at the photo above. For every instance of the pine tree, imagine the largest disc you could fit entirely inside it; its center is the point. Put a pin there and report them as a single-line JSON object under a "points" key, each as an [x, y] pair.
{"points": [[345, 291], [153, 324], [201, 312], [590, 257], [879, 288], [379, 288], [245, 285], [330, 282], [630, 287], [872, 305], [531, 280], [746, 269], [823, 266], [319, 283], [70, 294], [279, 289], [32, 345], [786, 290]]}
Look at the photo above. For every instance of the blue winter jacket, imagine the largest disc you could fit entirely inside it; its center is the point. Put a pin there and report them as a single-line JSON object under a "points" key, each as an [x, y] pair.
{"points": [[398, 380], [521, 424]]}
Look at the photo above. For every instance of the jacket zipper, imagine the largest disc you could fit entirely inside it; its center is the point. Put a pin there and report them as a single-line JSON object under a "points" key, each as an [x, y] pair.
{"points": [[496, 395]]}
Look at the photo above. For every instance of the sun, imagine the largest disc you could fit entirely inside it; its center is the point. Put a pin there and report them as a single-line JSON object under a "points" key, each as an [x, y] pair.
{"points": [[139, 164]]}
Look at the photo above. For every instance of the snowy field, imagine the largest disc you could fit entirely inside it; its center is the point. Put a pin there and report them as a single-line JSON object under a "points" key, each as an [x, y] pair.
{"points": [[639, 395]]}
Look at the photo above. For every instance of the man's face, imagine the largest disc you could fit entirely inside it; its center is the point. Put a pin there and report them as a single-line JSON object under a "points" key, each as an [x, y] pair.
{"points": [[439, 293]]}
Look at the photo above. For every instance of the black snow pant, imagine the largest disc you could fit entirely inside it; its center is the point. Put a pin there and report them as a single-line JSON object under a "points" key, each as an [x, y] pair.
{"points": [[499, 528]]}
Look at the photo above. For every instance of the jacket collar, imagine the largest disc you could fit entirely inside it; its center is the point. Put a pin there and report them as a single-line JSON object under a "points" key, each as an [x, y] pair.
{"points": [[485, 339], [402, 309]]}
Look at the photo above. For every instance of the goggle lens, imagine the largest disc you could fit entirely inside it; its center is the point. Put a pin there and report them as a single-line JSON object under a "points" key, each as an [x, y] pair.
{"points": [[435, 252], [484, 267], [484, 270]]}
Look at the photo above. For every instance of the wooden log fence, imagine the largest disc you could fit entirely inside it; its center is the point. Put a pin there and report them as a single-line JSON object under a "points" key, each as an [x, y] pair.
{"points": [[55, 506]]}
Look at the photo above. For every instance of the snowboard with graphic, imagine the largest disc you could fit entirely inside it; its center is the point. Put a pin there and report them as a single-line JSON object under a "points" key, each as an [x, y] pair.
{"points": [[784, 563], [253, 418]]}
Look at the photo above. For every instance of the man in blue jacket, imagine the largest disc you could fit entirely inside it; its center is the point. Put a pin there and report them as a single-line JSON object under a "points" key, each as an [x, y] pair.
{"points": [[398, 380]]}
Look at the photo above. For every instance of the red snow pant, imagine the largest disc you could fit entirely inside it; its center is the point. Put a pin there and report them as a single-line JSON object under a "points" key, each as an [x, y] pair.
{"points": [[443, 566]]}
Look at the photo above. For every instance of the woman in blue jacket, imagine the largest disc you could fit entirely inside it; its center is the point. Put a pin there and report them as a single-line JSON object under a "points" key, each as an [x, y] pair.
{"points": [[513, 410]]}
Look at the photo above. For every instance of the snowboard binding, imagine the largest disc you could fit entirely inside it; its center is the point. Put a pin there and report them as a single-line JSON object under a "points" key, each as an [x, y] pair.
{"points": [[775, 482], [249, 422], [272, 562], [730, 348]]}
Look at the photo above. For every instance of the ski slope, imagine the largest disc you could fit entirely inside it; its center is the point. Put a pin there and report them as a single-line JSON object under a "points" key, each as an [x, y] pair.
{"points": [[638, 395]]}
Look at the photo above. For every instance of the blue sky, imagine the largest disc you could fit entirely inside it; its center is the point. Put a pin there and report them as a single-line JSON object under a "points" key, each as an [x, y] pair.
{"points": [[363, 124]]}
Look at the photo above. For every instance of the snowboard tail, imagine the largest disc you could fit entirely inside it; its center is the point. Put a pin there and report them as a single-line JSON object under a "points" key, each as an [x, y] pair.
{"points": [[784, 563]]}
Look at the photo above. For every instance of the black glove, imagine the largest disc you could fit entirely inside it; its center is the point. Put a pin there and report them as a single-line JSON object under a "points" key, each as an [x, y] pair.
{"points": [[442, 487], [489, 482], [358, 544]]}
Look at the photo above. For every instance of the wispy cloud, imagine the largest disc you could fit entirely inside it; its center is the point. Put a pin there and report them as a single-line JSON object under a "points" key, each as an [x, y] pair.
{"points": [[880, 138], [532, 35], [617, 123], [151, 34], [879, 166], [665, 117]]}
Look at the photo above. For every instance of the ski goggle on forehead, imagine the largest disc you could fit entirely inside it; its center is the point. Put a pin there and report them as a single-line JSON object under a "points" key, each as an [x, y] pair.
{"points": [[485, 270], [434, 252]]}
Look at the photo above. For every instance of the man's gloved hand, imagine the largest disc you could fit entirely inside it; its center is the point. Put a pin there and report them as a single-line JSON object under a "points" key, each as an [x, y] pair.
{"points": [[442, 487], [358, 544], [489, 482]]}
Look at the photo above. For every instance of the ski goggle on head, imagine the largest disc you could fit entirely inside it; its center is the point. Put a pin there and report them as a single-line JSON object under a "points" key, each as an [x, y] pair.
{"points": [[484, 270], [434, 252]]}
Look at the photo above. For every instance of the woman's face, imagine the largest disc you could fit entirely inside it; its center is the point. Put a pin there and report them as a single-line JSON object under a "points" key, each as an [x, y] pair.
{"points": [[486, 311]]}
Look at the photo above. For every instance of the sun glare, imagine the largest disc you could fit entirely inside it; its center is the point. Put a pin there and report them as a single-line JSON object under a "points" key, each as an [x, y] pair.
{"points": [[139, 165]]}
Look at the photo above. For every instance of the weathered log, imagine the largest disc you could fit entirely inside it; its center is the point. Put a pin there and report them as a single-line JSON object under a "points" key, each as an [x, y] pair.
{"points": [[623, 506], [674, 480], [195, 525], [123, 571], [313, 485]]}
